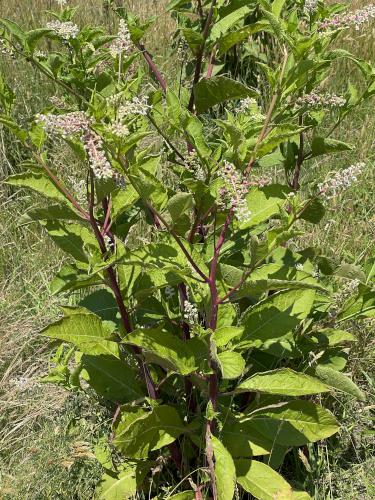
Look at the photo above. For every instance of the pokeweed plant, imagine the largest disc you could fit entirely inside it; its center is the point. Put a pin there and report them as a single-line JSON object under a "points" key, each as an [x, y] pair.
{"points": [[204, 326]]}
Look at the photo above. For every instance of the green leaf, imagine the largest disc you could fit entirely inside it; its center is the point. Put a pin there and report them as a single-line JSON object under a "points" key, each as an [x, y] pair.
{"points": [[269, 325], [277, 7], [232, 364], [33, 37], [52, 212], [139, 432], [148, 187], [314, 212], [295, 423], [265, 202], [325, 145], [222, 336], [194, 39], [284, 382], [218, 89], [262, 482], [194, 129], [359, 307], [86, 331], [223, 25], [111, 377], [231, 39], [339, 381], [122, 199], [163, 348], [70, 277], [13, 127], [123, 484], [225, 471], [179, 204], [38, 182]]}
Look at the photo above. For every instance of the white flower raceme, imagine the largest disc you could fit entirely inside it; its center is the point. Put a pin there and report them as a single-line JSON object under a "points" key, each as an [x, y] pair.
{"points": [[354, 19], [341, 180], [315, 101], [137, 106], [65, 30], [310, 6], [233, 192], [190, 313], [193, 165], [122, 44], [67, 124], [98, 161]]}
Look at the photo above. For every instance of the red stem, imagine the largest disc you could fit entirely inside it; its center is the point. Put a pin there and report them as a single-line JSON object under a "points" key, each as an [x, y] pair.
{"points": [[152, 66]]}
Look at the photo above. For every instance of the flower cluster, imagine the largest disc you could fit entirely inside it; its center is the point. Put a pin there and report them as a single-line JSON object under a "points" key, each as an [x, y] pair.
{"points": [[341, 180], [315, 101], [99, 164], [310, 6], [356, 19], [169, 292], [190, 313], [245, 104], [137, 106], [119, 129], [123, 43], [57, 101], [68, 124], [193, 165], [65, 30], [346, 291], [233, 192]]}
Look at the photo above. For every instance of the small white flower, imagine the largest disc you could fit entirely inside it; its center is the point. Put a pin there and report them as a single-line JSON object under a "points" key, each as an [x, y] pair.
{"points": [[190, 313], [310, 6], [123, 43], [343, 21], [233, 192], [299, 266], [316, 101], [66, 124], [65, 30], [99, 164], [169, 292], [137, 106], [341, 180], [193, 165]]}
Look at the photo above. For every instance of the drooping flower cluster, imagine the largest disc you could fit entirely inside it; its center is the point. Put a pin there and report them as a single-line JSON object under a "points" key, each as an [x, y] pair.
{"points": [[193, 165], [316, 101], [137, 106], [190, 313], [341, 180], [122, 44], [99, 164], [233, 192], [65, 30], [68, 124], [310, 6], [357, 19]]}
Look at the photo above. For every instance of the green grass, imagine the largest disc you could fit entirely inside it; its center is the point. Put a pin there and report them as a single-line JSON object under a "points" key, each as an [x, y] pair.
{"points": [[45, 440]]}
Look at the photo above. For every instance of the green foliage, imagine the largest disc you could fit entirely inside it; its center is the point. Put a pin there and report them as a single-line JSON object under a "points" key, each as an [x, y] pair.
{"points": [[204, 319]]}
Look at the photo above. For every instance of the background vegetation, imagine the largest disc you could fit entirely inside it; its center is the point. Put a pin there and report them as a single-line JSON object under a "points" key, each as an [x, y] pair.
{"points": [[46, 447]]}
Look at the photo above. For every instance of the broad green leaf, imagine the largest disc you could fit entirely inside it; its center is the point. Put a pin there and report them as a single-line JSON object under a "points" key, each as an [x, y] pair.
{"points": [[52, 212], [118, 487], [222, 336], [227, 41], [194, 39], [263, 482], [73, 239], [194, 129], [70, 277], [122, 199], [277, 7], [338, 380], [111, 377], [295, 423], [143, 431], [362, 306], [314, 212], [179, 205], [225, 471], [183, 495], [222, 26], [326, 145], [351, 272], [273, 320], [86, 332], [39, 182], [219, 89], [148, 187], [14, 128], [284, 382], [264, 202], [33, 37], [231, 363], [163, 348]]}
